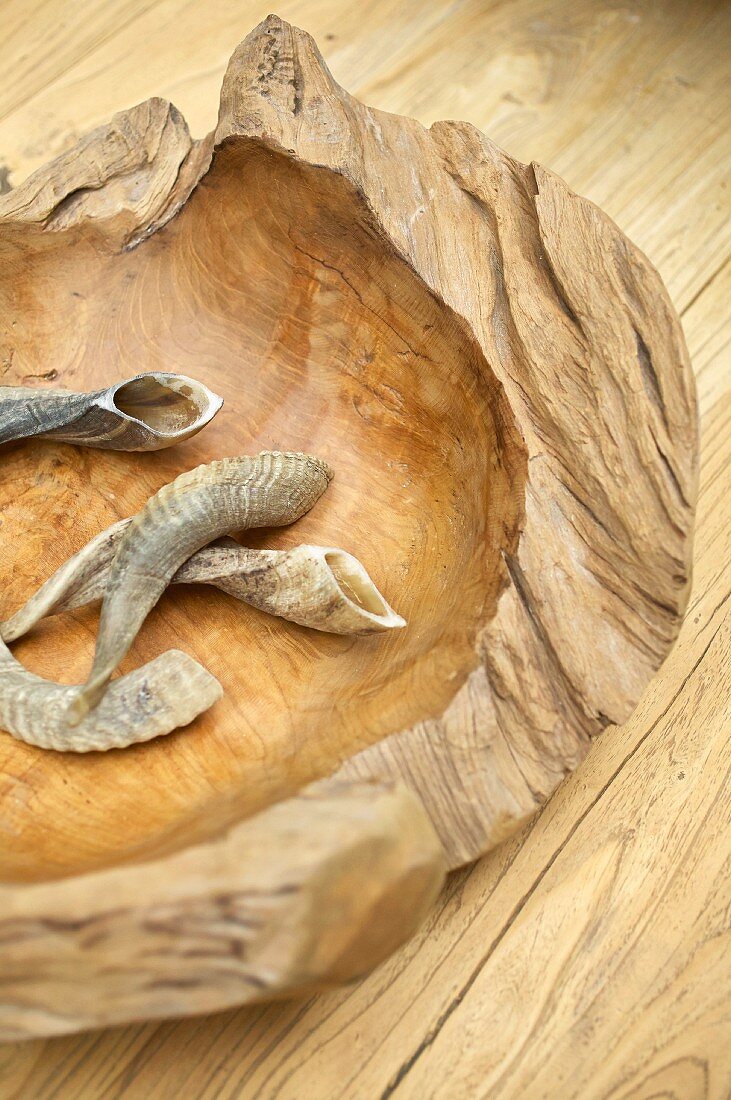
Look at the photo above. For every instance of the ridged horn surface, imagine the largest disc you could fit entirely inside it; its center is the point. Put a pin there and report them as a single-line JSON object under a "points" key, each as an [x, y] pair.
{"points": [[144, 413], [167, 693], [320, 587], [232, 494]]}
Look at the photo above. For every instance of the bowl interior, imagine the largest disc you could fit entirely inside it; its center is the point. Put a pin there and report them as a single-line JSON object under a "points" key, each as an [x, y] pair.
{"points": [[274, 288]]}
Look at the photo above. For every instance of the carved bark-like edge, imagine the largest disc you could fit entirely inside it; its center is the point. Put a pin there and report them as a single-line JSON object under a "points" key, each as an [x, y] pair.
{"points": [[128, 178], [310, 893], [520, 258]]}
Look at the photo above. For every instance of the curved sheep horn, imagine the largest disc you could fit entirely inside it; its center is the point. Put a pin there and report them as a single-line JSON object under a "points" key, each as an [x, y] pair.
{"points": [[320, 587], [316, 586], [145, 413], [168, 692], [231, 494]]}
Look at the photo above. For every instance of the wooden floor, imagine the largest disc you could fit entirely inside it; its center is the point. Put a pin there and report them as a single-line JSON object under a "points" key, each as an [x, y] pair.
{"points": [[590, 956]]}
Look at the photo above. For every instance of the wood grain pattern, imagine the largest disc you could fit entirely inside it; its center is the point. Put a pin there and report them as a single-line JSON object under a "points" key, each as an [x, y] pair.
{"points": [[311, 892], [598, 836], [288, 349], [536, 505]]}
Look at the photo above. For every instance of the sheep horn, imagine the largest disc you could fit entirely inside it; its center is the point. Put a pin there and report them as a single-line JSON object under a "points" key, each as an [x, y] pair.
{"points": [[228, 495], [316, 586], [320, 587], [168, 692], [144, 413]]}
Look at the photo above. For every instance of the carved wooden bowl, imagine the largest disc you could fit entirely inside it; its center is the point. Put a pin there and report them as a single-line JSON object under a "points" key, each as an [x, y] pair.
{"points": [[500, 383]]}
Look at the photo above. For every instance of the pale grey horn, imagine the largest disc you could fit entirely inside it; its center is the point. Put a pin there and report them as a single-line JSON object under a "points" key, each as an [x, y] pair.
{"points": [[144, 413], [163, 695]]}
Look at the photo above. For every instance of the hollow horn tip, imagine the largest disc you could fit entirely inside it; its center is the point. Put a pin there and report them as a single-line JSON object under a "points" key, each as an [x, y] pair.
{"points": [[348, 602], [165, 407]]}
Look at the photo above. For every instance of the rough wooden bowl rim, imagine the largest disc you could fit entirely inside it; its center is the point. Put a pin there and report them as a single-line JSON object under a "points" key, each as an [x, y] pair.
{"points": [[556, 663]]}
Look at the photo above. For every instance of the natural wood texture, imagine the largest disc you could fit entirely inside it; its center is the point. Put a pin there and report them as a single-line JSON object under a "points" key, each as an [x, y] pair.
{"points": [[312, 891], [308, 392], [355, 1043], [533, 465], [530, 445]]}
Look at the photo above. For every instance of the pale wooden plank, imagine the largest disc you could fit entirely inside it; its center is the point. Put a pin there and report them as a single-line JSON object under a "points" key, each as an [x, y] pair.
{"points": [[357, 1042], [708, 334], [43, 41]]}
